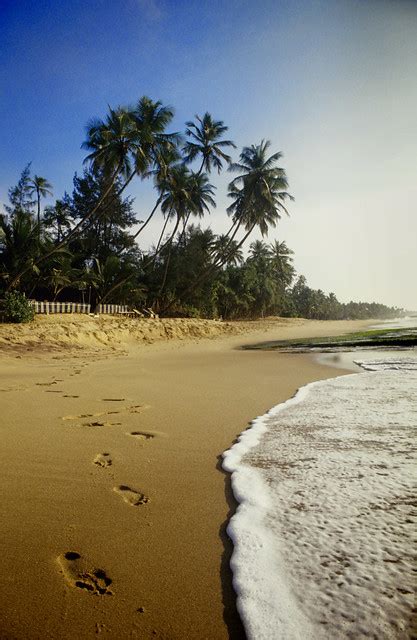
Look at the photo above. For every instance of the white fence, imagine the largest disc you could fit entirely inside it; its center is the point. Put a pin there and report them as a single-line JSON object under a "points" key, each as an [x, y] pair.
{"points": [[77, 307], [60, 307], [113, 309]]}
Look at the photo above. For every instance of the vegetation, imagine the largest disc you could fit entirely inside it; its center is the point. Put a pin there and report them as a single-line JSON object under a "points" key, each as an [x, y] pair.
{"points": [[362, 339], [88, 245], [16, 307]]}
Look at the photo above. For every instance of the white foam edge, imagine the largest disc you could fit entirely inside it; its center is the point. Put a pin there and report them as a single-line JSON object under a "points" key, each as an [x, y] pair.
{"points": [[268, 608]]}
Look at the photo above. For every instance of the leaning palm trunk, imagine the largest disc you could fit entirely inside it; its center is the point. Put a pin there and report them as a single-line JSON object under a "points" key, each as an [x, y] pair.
{"points": [[119, 193], [69, 236], [149, 218], [160, 247], [114, 288], [184, 228], [170, 241], [227, 254], [39, 215]]}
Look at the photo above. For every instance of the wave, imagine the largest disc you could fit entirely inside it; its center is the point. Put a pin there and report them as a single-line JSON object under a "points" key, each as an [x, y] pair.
{"points": [[327, 509]]}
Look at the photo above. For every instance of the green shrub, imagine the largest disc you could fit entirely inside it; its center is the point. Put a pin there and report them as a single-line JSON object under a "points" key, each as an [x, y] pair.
{"points": [[17, 307]]}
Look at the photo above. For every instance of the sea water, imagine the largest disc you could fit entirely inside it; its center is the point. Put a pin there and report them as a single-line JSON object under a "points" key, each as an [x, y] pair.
{"points": [[325, 532]]}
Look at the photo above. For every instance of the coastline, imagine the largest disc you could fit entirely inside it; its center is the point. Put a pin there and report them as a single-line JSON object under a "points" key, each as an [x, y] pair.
{"points": [[169, 556]]}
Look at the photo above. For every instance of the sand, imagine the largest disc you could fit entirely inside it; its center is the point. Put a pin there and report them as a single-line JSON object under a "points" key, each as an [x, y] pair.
{"points": [[114, 504]]}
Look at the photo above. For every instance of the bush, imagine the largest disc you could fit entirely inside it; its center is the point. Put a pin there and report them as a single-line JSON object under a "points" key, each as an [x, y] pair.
{"points": [[17, 307]]}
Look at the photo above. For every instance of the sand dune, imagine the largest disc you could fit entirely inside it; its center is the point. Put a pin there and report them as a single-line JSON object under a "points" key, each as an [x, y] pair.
{"points": [[80, 331]]}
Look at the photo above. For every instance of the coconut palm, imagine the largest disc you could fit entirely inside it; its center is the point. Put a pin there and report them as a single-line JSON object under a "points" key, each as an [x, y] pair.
{"points": [[151, 120], [259, 252], [42, 188], [111, 275], [118, 147], [164, 161], [258, 193], [223, 248], [185, 193], [57, 217], [205, 143], [281, 263], [130, 140], [18, 246]]}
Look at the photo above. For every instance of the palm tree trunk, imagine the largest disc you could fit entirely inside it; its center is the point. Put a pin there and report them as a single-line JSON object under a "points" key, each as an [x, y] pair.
{"points": [[169, 256], [184, 227], [39, 215], [201, 168], [158, 247], [114, 287], [148, 219], [229, 242]]}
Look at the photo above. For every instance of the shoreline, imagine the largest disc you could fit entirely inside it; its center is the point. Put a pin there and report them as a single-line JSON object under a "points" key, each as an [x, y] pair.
{"points": [[285, 499], [168, 559]]}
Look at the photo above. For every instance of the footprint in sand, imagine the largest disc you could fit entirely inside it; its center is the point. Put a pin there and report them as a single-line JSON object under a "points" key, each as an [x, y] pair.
{"points": [[142, 435], [68, 396], [98, 423], [112, 399], [77, 573], [90, 415], [45, 384], [137, 408], [132, 497], [103, 460]]}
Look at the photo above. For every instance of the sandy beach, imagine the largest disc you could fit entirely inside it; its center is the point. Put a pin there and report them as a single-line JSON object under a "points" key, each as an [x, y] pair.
{"points": [[114, 504]]}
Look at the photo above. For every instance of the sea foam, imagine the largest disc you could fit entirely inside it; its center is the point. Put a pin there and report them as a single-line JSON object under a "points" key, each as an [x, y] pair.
{"points": [[327, 510]]}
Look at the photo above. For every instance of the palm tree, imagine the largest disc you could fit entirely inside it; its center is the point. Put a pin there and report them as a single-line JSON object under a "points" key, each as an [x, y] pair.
{"points": [[158, 150], [205, 142], [164, 161], [57, 217], [259, 193], [18, 245], [223, 248], [127, 143], [281, 262], [111, 275], [185, 193], [259, 252], [63, 275], [119, 147], [42, 188]]}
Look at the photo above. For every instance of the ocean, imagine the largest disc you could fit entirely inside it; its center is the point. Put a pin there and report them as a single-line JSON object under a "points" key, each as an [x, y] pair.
{"points": [[325, 532]]}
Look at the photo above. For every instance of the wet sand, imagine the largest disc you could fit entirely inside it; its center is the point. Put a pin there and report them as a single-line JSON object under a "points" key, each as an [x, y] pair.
{"points": [[114, 504]]}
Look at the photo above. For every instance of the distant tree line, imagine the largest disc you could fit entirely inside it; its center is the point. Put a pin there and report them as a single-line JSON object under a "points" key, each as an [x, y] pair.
{"points": [[86, 247]]}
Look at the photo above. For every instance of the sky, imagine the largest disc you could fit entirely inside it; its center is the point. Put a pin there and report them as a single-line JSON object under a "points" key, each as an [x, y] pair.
{"points": [[331, 83]]}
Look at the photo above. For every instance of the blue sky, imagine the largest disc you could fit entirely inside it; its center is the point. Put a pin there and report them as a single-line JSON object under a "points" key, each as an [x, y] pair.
{"points": [[331, 83]]}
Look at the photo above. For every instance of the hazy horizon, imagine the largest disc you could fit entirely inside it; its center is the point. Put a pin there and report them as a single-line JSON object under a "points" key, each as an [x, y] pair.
{"points": [[331, 84]]}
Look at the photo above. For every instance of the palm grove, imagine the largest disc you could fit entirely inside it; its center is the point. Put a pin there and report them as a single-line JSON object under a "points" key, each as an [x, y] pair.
{"points": [[86, 247]]}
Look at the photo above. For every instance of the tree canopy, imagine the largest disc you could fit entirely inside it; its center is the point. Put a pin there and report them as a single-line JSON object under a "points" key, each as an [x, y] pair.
{"points": [[87, 245]]}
